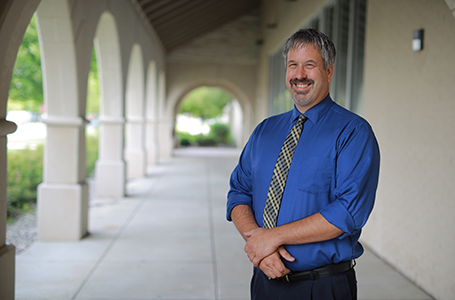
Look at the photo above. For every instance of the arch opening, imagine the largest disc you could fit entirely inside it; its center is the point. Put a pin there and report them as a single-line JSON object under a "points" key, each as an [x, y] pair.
{"points": [[25, 146], [208, 116], [92, 116]]}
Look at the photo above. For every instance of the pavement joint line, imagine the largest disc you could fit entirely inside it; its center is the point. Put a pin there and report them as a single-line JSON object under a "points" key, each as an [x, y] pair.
{"points": [[212, 232], [144, 199]]}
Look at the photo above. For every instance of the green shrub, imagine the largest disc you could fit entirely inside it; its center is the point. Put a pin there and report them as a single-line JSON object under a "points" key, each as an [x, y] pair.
{"points": [[186, 139], [25, 173], [205, 141], [184, 142], [220, 133]]}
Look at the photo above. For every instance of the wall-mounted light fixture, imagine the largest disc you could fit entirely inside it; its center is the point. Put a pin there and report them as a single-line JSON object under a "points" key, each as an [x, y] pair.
{"points": [[417, 41], [259, 41]]}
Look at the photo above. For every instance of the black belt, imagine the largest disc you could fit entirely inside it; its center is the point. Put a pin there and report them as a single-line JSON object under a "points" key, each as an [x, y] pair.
{"points": [[319, 272]]}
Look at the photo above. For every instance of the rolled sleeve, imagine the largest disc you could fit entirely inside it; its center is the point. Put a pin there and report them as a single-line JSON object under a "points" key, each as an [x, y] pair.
{"points": [[357, 175], [240, 192], [337, 215]]}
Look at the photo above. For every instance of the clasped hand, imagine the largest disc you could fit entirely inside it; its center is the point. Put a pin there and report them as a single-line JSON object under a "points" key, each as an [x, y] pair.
{"points": [[264, 251]]}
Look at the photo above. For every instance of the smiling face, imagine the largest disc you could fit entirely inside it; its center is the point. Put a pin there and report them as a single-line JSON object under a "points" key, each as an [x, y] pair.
{"points": [[306, 78]]}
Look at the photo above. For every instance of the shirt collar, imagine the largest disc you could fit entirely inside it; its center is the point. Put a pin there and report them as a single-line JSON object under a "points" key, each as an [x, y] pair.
{"points": [[315, 113]]}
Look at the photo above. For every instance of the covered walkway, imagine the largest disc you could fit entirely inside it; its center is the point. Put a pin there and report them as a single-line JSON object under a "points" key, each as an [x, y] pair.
{"points": [[168, 239]]}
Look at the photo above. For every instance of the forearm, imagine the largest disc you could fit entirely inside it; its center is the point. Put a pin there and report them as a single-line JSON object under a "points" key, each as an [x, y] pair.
{"points": [[312, 229], [243, 219], [263, 242]]}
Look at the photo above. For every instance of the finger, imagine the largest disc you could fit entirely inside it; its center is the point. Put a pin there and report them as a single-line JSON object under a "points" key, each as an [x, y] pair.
{"points": [[285, 254], [256, 261], [269, 270], [273, 266]]}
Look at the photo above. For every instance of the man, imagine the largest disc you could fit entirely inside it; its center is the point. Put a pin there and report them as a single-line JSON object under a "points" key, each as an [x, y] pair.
{"points": [[303, 243]]}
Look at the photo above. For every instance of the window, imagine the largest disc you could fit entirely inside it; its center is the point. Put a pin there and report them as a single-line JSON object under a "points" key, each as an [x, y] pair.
{"points": [[343, 21]]}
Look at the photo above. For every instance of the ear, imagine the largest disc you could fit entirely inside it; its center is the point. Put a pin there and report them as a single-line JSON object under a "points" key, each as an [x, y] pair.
{"points": [[329, 73]]}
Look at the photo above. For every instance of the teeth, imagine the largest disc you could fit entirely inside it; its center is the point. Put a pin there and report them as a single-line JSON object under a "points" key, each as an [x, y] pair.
{"points": [[302, 85]]}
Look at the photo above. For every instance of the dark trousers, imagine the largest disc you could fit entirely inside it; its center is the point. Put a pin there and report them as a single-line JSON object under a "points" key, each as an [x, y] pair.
{"points": [[341, 286]]}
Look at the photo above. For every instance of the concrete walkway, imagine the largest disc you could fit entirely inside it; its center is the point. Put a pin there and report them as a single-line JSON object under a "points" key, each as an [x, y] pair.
{"points": [[168, 239]]}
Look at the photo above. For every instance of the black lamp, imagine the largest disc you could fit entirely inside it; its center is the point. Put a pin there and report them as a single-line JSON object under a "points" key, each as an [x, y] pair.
{"points": [[417, 41]]}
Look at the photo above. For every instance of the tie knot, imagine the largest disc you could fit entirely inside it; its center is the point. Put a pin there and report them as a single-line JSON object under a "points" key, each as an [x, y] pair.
{"points": [[302, 118]]}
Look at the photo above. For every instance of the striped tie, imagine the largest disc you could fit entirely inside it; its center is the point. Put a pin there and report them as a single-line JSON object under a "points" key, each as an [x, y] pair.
{"points": [[280, 174]]}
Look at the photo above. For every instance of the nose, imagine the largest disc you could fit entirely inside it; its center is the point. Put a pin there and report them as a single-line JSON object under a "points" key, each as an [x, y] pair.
{"points": [[300, 73]]}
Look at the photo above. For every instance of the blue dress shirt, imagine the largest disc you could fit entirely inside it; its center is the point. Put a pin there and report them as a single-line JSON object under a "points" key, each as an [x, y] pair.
{"points": [[334, 171]]}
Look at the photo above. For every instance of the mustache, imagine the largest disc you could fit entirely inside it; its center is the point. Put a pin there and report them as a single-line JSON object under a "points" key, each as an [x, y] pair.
{"points": [[304, 81]]}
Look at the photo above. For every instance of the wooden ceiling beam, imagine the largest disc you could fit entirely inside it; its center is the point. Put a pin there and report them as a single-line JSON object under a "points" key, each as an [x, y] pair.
{"points": [[177, 22], [216, 9], [185, 13], [181, 5], [153, 5], [184, 37]]}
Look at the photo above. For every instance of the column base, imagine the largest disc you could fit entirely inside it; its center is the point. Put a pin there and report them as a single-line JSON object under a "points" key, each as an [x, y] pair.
{"points": [[7, 271], [110, 178], [62, 211], [135, 166]]}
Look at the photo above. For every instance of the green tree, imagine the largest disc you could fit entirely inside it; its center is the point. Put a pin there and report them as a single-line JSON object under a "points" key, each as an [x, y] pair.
{"points": [[26, 90], [205, 103], [92, 111], [93, 90]]}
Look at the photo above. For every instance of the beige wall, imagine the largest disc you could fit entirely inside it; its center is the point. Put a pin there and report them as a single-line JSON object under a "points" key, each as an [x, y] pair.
{"points": [[409, 100], [288, 17]]}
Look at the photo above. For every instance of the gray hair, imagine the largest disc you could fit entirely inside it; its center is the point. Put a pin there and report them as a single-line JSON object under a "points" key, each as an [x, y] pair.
{"points": [[320, 41]]}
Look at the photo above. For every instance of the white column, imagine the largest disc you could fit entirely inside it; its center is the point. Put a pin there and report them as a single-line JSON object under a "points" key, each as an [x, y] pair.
{"points": [[151, 111], [166, 120], [134, 150], [7, 252], [110, 167], [165, 137], [63, 195], [151, 141]]}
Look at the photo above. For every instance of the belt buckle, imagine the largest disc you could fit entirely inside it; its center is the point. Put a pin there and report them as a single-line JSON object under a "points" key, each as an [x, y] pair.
{"points": [[287, 277]]}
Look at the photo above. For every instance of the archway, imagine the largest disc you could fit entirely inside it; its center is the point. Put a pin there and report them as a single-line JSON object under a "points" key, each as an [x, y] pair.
{"points": [[244, 123], [208, 116]]}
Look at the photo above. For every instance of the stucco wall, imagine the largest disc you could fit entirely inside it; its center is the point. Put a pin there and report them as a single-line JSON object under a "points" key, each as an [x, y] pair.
{"points": [[409, 100], [286, 17]]}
